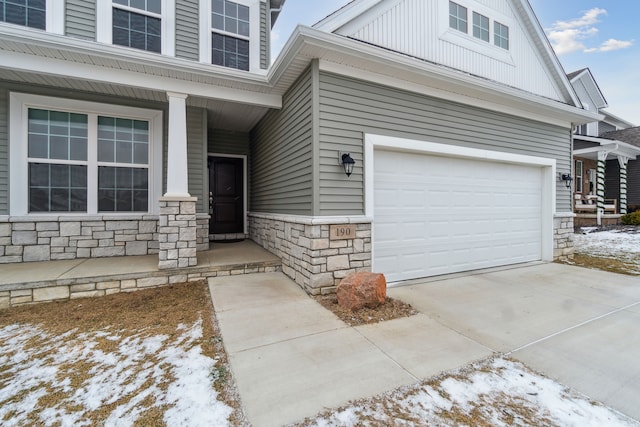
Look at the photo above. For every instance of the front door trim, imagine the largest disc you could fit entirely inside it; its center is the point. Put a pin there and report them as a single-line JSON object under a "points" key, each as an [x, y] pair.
{"points": [[245, 179]]}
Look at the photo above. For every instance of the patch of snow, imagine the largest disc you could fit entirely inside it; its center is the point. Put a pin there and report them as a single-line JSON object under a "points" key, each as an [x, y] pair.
{"points": [[487, 390], [139, 368], [617, 244]]}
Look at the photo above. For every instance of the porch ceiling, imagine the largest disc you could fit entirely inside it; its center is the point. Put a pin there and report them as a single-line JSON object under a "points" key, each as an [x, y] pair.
{"points": [[221, 114], [613, 148]]}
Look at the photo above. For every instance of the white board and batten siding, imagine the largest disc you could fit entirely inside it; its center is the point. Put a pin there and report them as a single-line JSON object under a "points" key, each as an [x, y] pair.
{"points": [[407, 26]]}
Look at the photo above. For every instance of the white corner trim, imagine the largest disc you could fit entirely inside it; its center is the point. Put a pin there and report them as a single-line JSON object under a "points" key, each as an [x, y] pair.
{"points": [[55, 17], [548, 166]]}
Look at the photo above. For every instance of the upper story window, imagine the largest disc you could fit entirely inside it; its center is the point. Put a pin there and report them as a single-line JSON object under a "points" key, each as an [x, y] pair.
{"points": [[137, 24], [457, 17], [480, 27], [39, 14], [501, 35], [29, 13], [147, 25], [230, 33], [230, 37], [472, 24]]}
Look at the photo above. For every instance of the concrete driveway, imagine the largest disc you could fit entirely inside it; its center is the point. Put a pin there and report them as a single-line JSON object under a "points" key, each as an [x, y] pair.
{"points": [[578, 326]]}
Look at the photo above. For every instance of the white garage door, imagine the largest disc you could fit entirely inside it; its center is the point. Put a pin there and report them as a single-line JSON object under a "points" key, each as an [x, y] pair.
{"points": [[438, 215]]}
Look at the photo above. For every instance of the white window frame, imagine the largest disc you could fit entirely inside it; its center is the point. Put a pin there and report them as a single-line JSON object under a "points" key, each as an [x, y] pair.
{"points": [[466, 18], [578, 176], [206, 29], [104, 25], [54, 20], [500, 37], [19, 104], [474, 26], [467, 40]]}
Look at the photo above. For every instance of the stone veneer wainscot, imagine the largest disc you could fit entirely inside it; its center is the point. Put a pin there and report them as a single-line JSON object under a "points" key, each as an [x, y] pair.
{"points": [[563, 232], [308, 256], [48, 238]]}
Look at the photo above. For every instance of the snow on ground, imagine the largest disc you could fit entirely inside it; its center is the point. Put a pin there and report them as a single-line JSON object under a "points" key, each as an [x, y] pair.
{"points": [[623, 244], [135, 373], [498, 392]]}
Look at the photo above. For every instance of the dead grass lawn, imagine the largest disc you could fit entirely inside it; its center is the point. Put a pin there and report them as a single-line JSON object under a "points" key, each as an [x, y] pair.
{"points": [[128, 316]]}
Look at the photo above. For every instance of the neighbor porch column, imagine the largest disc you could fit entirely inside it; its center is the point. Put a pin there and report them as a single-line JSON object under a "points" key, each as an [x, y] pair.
{"points": [[602, 161], [177, 222], [623, 183]]}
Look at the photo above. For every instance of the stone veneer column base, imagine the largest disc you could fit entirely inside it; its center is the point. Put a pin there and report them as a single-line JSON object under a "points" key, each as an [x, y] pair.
{"points": [[177, 232], [309, 256], [563, 234]]}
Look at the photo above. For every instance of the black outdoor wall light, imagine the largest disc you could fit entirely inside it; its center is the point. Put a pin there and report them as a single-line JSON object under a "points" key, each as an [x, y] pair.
{"points": [[567, 178], [347, 163]]}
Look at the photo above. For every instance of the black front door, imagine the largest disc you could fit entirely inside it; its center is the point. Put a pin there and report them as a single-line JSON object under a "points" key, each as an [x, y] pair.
{"points": [[226, 196]]}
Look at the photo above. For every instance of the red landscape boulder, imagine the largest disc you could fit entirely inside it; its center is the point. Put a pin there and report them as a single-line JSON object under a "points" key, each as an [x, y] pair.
{"points": [[359, 290]]}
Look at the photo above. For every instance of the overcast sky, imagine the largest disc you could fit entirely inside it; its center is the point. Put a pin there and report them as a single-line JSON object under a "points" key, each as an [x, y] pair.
{"points": [[603, 35]]}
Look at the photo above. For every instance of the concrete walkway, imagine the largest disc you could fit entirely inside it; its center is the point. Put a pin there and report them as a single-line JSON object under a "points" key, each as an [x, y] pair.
{"points": [[292, 358]]}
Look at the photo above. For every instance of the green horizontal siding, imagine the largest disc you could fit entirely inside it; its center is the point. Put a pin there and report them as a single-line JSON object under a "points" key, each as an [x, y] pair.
{"points": [[281, 162], [187, 30], [80, 19], [196, 156], [349, 108]]}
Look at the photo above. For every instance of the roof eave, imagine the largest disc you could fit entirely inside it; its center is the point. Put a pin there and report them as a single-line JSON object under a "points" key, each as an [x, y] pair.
{"points": [[359, 54]]}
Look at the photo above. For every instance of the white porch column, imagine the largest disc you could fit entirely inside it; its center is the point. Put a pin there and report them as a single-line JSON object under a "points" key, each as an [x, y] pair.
{"points": [[602, 161], [177, 167], [623, 183], [177, 223]]}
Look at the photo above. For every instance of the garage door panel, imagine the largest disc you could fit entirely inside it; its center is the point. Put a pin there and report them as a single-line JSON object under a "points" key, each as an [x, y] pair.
{"points": [[438, 215]]}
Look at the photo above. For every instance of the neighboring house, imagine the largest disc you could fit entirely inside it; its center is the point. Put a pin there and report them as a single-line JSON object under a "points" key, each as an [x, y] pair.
{"points": [[600, 160], [122, 129]]}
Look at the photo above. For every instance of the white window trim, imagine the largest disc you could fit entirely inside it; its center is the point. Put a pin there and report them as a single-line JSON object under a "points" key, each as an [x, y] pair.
{"points": [[468, 41], [579, 177], [254, 33], [104, 25], [54, 20], [19, 104]]}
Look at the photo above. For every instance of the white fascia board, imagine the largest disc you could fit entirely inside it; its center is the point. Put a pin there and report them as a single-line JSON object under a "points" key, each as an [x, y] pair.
{"points": [[617, 121], [89, 72], [344, 15], [28, 38], [363, 57], [609, 145]]}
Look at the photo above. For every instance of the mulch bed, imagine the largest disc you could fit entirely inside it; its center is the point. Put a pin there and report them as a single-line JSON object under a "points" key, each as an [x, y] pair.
{"points": [[391, 309]]}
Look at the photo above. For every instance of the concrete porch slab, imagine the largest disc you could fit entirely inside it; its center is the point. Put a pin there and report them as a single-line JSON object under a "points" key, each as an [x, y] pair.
{"points": [[36, 271]]}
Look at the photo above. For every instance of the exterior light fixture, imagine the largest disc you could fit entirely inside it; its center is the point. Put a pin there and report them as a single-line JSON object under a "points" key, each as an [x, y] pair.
{"points": [[347, 163], [567, 178]]}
